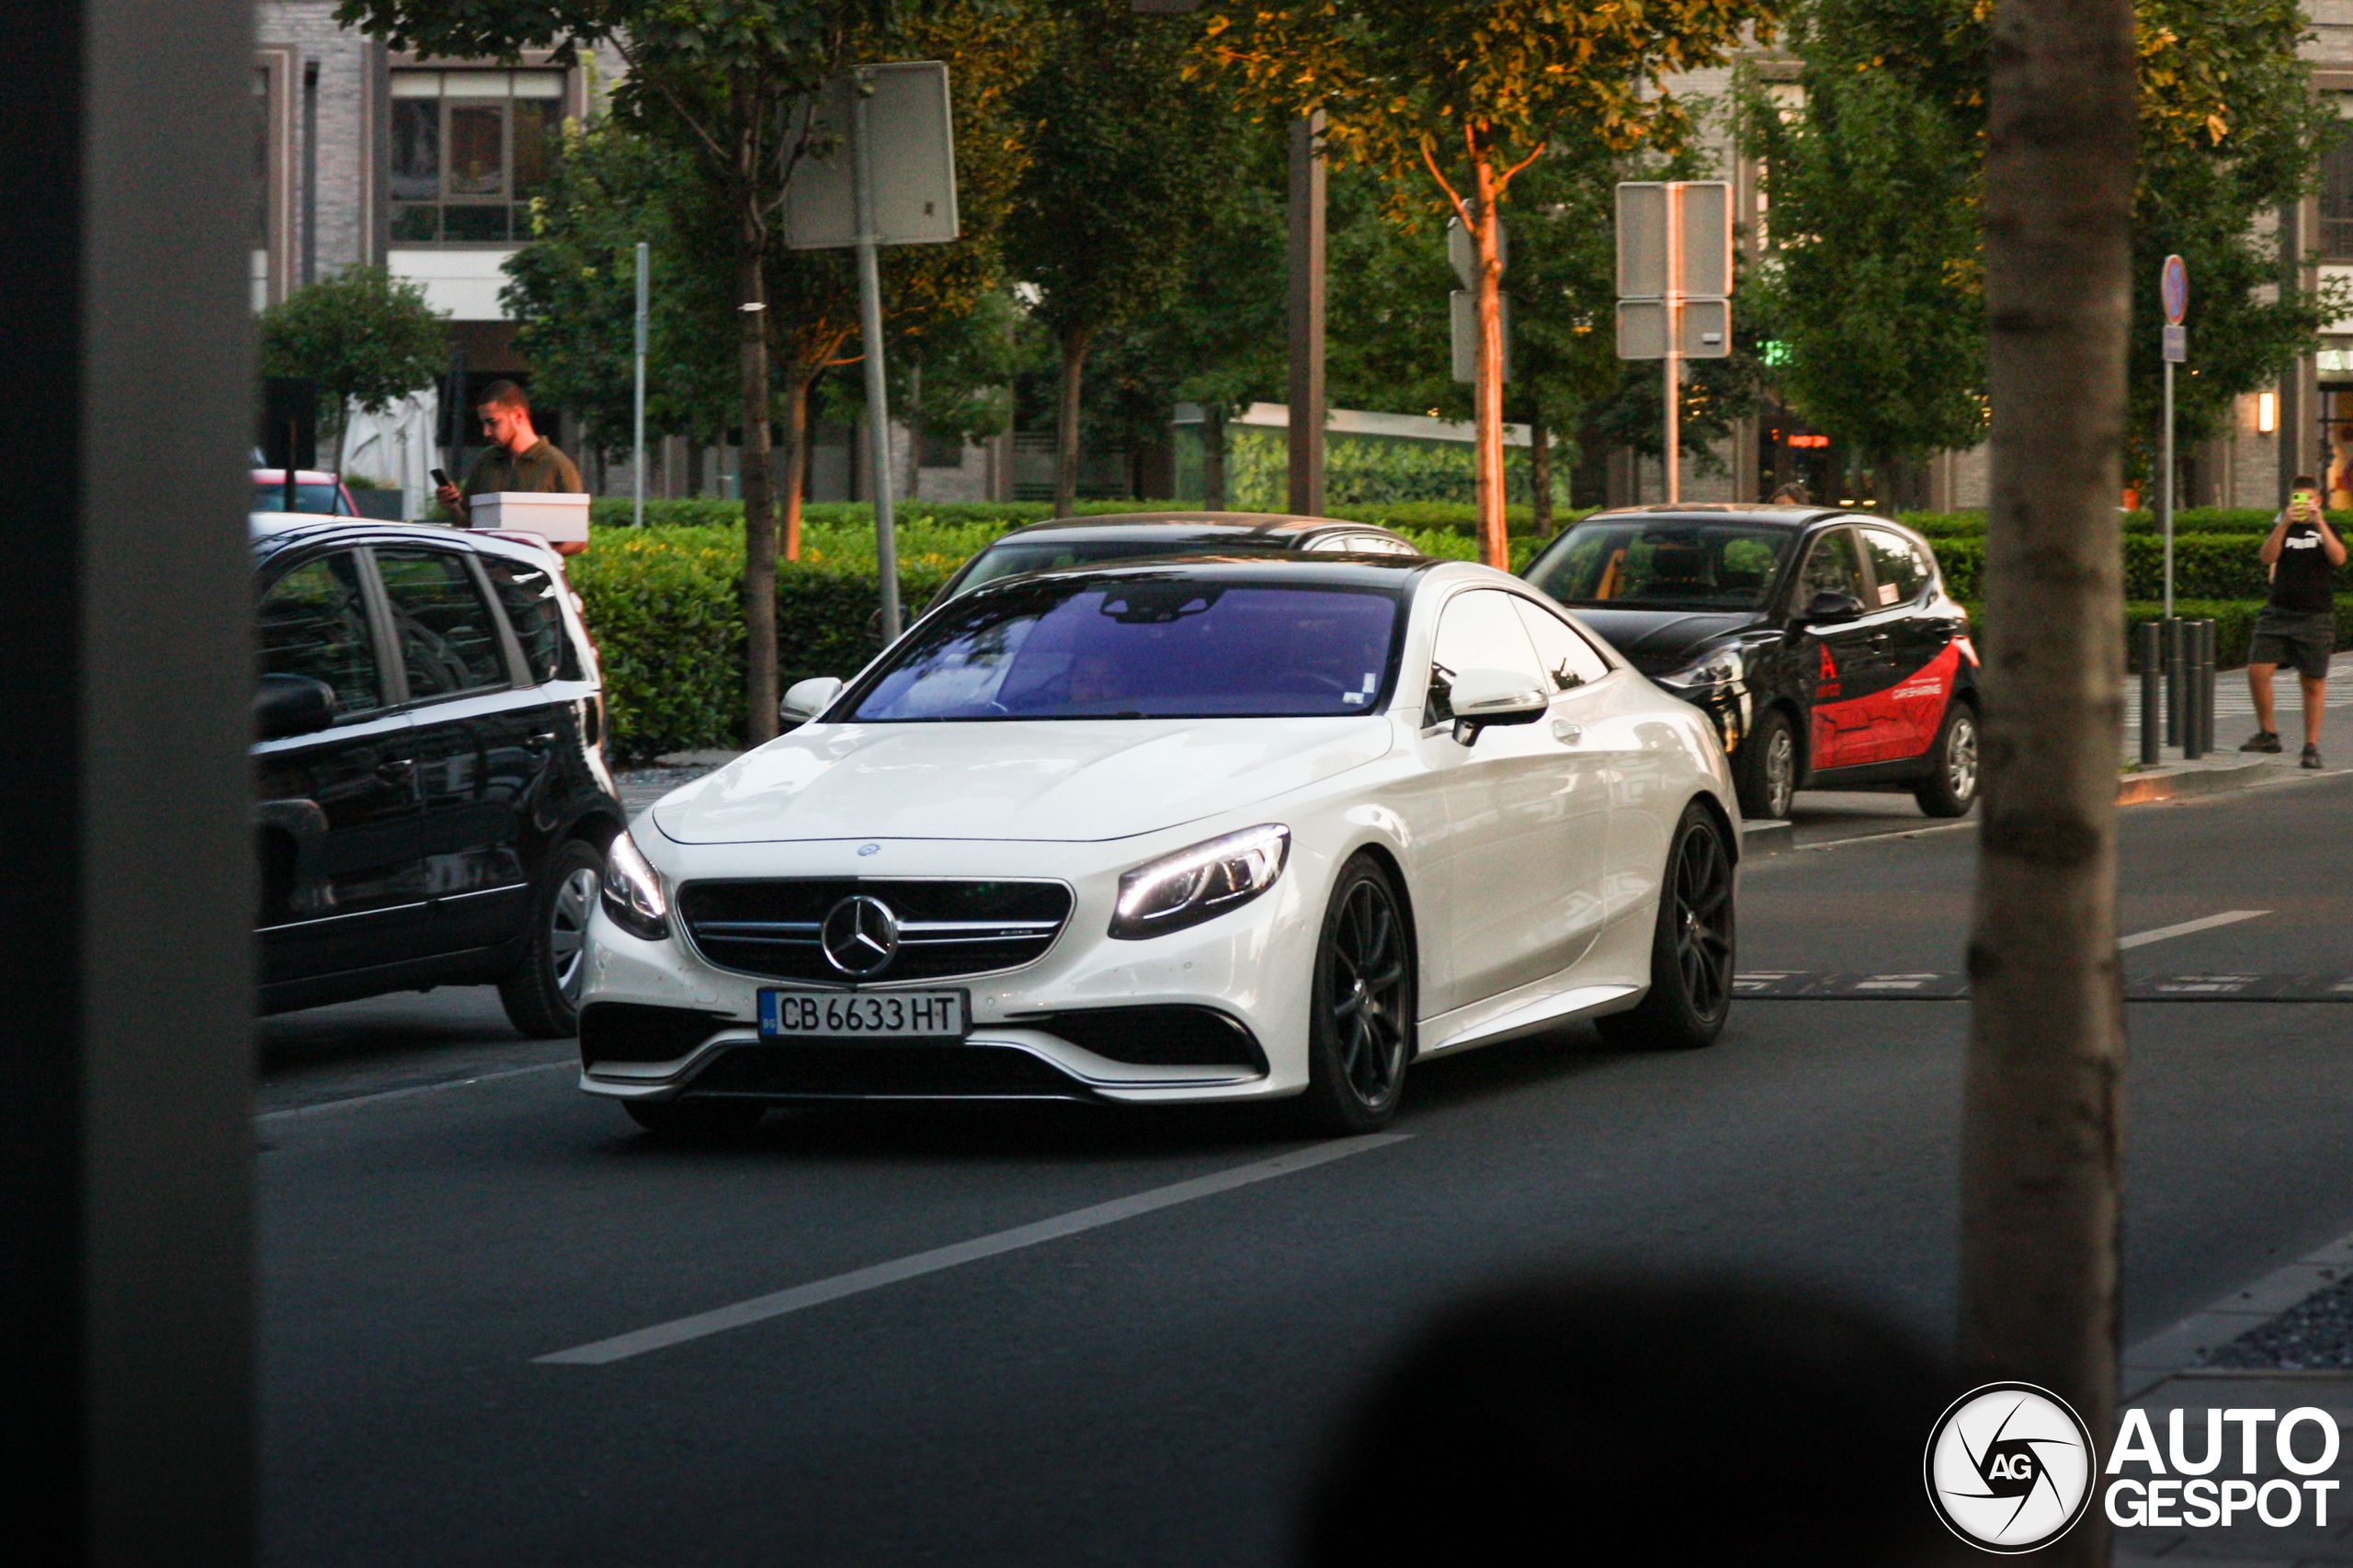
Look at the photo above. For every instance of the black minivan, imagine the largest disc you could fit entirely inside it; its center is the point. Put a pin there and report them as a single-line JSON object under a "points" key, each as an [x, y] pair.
{"points": [[1822, 643], [431, 799]]}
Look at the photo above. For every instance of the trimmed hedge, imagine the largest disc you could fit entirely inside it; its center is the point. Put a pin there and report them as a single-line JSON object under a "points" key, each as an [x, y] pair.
{"points": [[2188, 520]]}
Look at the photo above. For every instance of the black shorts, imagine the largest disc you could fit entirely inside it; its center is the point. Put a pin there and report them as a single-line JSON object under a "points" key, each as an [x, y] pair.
{"points": [[2285, 637]]}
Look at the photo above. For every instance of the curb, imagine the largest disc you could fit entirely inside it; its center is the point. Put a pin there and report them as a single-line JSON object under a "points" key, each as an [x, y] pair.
{"points": [[2183, 1346], [1766, 837], [2136, 788]]}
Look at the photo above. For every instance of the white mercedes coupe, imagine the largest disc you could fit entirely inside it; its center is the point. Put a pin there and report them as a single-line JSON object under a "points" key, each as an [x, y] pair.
{"points": [[1191, 830]]}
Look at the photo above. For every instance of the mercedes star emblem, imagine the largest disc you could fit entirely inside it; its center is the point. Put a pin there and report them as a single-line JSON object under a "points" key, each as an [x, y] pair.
{"points": [[860, 937]]}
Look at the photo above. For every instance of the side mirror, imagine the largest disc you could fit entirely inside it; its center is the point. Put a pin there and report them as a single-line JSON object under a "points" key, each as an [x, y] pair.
{"points": [[1828, 608], [291, 705], [807, 699], [1480, 697]]}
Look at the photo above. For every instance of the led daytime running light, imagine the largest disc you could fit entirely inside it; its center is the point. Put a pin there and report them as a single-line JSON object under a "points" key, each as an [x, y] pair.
{"points": [[1199, 884], [633, 893]]}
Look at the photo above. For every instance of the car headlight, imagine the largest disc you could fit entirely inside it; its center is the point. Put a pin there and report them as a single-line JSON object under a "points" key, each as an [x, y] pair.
{"points": [[633, 893], [1199, 884], [1720, 668]]}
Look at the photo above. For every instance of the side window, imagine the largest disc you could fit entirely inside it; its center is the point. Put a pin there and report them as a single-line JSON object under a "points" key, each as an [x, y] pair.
{"points": [[528, 596], [1477, 631], [314, 622], [1830, 567], [1897, 566], [1568, 658], [449, 642]]}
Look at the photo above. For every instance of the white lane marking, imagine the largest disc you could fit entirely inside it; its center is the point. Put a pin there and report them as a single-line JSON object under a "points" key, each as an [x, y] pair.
{"points": [[761, 1308], [412, 1089], [2187, 928]]}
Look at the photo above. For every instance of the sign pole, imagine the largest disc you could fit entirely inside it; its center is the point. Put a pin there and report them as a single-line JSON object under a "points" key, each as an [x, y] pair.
{"points": [[2173, 287], [2166, 492], [637, 459], [1673, 468], [869, 319]]}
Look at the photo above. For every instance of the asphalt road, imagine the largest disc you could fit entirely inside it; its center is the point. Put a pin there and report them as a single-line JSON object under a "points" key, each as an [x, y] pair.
{"points": [[440, 1207]]}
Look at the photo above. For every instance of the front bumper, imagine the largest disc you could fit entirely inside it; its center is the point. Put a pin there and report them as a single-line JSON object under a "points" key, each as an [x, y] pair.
{"points": [[1251, 966]]}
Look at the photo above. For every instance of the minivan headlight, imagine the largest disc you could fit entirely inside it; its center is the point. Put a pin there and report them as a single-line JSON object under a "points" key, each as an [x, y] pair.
{"points": [[1199, 884], [1720, 668], [633, 893]]}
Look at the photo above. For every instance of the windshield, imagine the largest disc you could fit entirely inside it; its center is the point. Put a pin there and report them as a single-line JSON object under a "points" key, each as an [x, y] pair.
{"points": [[1671, 564], [307, 498], [1144, 647], [1051, 555]]}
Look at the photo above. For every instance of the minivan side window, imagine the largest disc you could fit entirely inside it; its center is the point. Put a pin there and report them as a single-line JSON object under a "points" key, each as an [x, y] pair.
{"points": [[529, 596], [1830, 568], [314, 622], [449, 642], [1896, 564]]}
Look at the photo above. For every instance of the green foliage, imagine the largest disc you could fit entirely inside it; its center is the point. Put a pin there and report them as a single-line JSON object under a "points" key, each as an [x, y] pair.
{"points": [[1360, 470], [2206, 566], [367, 339]]}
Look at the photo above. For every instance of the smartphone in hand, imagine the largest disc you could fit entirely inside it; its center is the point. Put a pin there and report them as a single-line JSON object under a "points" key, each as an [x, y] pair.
{"points": [[440, 477]]}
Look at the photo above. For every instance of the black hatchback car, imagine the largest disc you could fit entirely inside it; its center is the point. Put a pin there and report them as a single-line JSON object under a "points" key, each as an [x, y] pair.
{"points": [[431, 800], [1822, 643], [1062, 542]]}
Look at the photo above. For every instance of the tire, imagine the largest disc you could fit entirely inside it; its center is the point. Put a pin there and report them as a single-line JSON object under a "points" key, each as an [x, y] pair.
{"points": [[1360, 1020], [688, 1120], [1764, 769], [1691, 947], [542, 992], [1950, 788]]}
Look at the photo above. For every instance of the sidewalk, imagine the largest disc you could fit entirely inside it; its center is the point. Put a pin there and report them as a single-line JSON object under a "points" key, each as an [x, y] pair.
{"points": [[2226, 766]]}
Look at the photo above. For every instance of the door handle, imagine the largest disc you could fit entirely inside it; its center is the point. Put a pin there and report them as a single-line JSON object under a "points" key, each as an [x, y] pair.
{"points": [[1567, 730], [394, 771]]}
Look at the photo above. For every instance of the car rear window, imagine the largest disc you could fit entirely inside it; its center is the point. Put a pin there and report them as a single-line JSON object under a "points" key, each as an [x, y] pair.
{"points": [[1145, 647], [1671, 564], [1012, 559]]}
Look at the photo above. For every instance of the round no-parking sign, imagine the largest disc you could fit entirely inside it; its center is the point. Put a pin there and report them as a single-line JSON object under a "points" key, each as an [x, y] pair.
{"points": [[2173, 284]]}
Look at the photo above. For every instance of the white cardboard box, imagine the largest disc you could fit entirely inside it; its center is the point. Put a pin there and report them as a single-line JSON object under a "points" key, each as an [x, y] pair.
{"points": [[559, 519]]}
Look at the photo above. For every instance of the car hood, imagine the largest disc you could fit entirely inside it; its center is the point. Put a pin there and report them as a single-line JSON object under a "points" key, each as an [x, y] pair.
{"points": [[1657, 640], [1067, 782]]}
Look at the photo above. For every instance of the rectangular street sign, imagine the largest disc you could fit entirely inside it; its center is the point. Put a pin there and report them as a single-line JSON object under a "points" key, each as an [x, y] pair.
{"points": [[2176, 344], [1642, 240], [1463, 322], [913, 158], [1706, 227], [1703, 220], [1702, 329]]}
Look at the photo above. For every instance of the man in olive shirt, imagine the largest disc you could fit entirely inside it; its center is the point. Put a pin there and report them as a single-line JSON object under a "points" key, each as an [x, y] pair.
{"points": [[520, 457]]}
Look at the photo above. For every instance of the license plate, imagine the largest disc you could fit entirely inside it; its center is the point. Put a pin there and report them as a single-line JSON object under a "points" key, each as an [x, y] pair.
{"points": [[872, 1015]]}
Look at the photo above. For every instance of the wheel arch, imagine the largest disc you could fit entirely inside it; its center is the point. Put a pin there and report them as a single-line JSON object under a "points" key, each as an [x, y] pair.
{"points": [[1706, 800]]}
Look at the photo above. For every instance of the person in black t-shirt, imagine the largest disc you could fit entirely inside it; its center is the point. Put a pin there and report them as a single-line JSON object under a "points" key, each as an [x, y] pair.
{"points": [[2297, 624]]}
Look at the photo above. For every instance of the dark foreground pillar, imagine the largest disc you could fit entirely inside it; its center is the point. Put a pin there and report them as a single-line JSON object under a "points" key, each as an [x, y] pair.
{"points": [[126, 1141]]}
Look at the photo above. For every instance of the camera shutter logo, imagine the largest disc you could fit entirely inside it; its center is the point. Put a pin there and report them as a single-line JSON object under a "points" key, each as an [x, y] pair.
{"points": [[2010, 1468], [860, 937]]}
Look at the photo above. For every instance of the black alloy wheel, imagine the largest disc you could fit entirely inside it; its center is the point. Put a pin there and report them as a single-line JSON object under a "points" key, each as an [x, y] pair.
{"points": [[541, 992], [1950, 788], [1361, 1033], [1691, 948], [1764, 769]]}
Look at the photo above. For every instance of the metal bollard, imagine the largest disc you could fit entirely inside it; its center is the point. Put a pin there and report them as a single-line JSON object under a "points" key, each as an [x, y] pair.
{"points": [[2147, 647], [2193, 726], [2176, 689], [2205, 688]]}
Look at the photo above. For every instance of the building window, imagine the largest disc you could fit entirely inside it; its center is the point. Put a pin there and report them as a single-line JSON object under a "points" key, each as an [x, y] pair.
{"points": [[470, 149], [2336, 197]]}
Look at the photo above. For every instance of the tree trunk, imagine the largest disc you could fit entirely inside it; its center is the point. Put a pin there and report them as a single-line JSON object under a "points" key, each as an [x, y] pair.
{"points": [[1212, 458], [1074, 344], [1487, 396], [2041, 1135], [759, 510], [1539, 474], [797, 377]]}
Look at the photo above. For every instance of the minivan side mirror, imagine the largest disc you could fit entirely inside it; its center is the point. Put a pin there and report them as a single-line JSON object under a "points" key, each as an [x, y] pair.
{"points": [[291, 705], [1480, 697], [807, 699], [1828, 608]]}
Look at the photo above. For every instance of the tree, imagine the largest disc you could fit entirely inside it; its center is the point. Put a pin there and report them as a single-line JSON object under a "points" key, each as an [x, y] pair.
{"points": [[1876, 181], [367, 338], [1471, 93], [1126, 164], [2041, 1129]]}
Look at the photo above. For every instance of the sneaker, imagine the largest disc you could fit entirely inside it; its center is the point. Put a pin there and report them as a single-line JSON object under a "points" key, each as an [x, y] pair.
{"points": [[2262, 740], [2311, 756]]}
